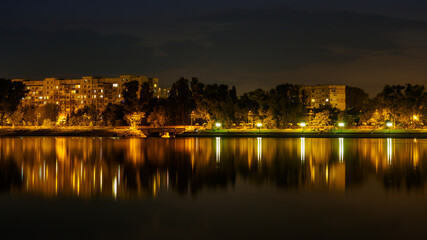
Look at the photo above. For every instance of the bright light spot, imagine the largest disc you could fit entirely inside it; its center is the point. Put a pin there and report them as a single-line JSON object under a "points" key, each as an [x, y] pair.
{"points": [[115, 85], [327, 100], [341, 124], [303, 124], [389, 124], [115, 187], [415, 117], [341, 153], [218, 149], [302, 150], [218, 125], [389, 150], [259, 125], [313, 100], [77, 86], [120, 95], [259, 148]]}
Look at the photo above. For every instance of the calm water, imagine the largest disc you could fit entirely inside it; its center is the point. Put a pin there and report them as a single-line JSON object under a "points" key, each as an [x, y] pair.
{"points": [[213, 188]]}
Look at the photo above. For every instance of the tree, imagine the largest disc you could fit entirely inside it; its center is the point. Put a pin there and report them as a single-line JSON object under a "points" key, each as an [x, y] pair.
{"points": [[113, 114], [130, 95], [181, 102], [157, 117], [48, 111], [134, 119], [11, 94]]}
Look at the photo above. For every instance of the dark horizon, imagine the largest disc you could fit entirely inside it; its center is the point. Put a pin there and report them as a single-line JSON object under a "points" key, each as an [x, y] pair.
{"points": [[246, 44]]}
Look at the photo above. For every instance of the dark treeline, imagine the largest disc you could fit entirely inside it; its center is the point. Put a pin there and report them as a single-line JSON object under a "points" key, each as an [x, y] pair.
{"points": [[193, 102]]}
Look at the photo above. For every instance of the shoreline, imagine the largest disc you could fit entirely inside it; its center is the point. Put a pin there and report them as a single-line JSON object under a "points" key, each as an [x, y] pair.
{"points": [[180, 133]]}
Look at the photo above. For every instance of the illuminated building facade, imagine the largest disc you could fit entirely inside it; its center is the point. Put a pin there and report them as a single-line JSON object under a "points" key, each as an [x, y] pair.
{"points": [[71, 94], [325, 95]]}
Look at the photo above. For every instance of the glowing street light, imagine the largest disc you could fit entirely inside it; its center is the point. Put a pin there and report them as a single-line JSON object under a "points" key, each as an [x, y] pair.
{"points": [[389, 124], [217, 125], [341, 125], [302, 125], [259, 125]]}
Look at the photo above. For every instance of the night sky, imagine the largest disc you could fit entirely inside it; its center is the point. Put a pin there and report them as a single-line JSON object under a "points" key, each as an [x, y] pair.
{"points": [[249, 44]]}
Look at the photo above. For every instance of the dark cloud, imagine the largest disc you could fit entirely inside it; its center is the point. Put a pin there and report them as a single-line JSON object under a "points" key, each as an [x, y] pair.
{"points": [[31, 53], [247, 48]]}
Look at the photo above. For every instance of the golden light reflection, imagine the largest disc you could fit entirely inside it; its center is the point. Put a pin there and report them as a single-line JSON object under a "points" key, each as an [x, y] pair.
{"points": [[302, 150], [218, 149], [259, 148], [389, 150], [121, 168]]}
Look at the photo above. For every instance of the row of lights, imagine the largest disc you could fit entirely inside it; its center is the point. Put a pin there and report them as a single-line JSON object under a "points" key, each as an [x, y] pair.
{"points": [[389, 124]]}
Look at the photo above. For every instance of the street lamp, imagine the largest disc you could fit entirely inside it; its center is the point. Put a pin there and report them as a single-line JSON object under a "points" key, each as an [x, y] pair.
{"points": [[302, 125], [217, 125], [259, 125], [389, 124], [341, 125]]}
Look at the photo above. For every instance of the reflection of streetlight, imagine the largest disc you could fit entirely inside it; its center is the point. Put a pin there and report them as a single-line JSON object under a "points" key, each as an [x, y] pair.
{"points": [[302, 124], [389, 124], [259, 125], [341, 125]]}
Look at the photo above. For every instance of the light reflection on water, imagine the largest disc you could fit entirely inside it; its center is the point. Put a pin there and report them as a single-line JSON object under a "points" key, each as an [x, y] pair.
{"points": [[127, 168]]}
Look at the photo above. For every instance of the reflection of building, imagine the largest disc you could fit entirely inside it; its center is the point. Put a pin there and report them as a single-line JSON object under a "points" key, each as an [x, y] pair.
{"points": [[325, 95], [124, 168], [71, 94]]}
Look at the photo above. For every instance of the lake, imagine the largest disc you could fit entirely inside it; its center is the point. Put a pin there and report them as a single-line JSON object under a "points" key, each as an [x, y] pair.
{"points": [[210, 188]]}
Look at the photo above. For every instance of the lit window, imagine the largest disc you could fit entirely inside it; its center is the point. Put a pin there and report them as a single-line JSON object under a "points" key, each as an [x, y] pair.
{"points": [[102, 90], [102, 96], [56, 87], [120, 95], [40, 97], [115, 85], [57, 103], [73, 91], [77, 86], [94, 96], [155, 85], [47, 97], [313, 100], [82, 102], [85, 96], [327, 100], [94, 91]]}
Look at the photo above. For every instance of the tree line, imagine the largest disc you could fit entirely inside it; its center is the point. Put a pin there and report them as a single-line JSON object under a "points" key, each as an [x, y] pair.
{"points": [[197, 103]]}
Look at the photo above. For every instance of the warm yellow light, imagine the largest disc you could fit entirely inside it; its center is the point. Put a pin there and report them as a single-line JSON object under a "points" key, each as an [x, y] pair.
{"points": [[415, 117], [259, 125], [389, 124], [341, 124], [115, 85], [313, 100], [218, 125], [303, 124], [327, 100]]}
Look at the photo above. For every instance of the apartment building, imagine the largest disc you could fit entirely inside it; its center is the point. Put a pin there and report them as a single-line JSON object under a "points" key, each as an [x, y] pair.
{"points": [[72, 94], [325, 95]]}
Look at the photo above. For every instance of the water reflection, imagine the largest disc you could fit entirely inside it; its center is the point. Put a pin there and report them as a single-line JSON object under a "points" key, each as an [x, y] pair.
{"points": [[124, 168]]}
